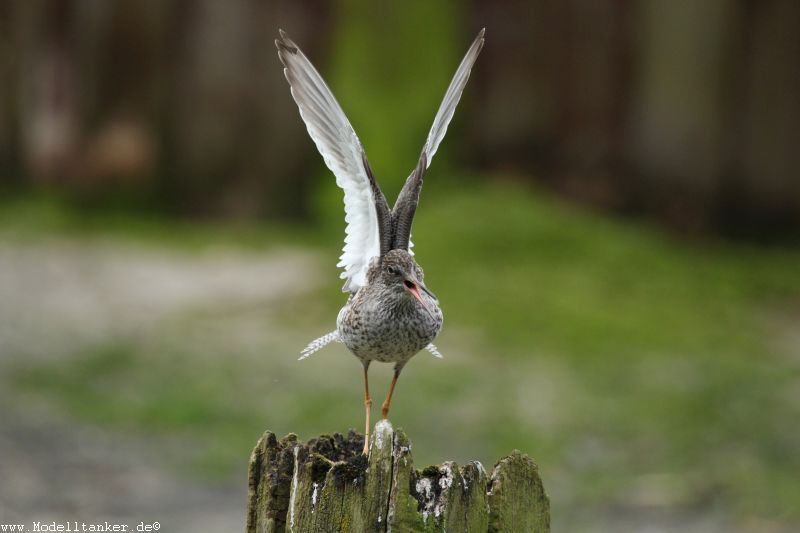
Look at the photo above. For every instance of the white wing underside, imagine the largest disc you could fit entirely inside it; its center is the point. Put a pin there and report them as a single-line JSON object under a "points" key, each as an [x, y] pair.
{"points": [[342, 152]]}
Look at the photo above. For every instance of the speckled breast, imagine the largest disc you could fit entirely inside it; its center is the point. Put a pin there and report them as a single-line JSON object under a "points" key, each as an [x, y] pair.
{"points": [[393, 334]]}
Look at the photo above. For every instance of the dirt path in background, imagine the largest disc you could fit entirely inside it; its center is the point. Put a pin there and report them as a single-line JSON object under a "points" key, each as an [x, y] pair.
{"points": [[60, 296], [53, 470]]}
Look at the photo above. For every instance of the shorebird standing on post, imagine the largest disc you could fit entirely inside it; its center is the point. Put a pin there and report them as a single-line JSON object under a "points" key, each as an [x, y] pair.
{"points": [[390, 314]]}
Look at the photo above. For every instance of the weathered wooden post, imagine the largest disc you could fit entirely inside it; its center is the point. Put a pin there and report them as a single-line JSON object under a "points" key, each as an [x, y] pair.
{"points": [[328, 486]]}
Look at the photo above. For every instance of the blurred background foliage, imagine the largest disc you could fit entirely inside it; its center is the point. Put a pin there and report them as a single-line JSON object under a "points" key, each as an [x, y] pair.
{"points": [[611, 226]]}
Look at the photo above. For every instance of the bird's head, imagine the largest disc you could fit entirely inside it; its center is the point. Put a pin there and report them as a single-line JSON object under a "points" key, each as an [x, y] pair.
{"points": [[398, 272]]}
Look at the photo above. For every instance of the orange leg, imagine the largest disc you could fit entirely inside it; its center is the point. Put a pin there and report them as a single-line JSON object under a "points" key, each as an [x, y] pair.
{"points": [[387, 403], [367, 407]]}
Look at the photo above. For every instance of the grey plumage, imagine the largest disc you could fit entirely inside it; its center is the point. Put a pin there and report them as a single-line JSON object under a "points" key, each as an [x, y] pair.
{"points": [[390, 315], [384, 321]]}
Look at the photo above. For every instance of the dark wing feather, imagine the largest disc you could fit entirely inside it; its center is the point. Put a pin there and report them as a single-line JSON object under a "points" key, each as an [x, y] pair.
{"points": [[382, 210], [406, 204]]}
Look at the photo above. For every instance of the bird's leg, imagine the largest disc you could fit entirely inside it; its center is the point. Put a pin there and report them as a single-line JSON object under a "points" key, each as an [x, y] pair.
{"points": [[387, 403], [367, 407]]}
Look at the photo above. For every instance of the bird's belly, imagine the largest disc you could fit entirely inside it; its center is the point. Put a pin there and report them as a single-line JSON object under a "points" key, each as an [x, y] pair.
{"points": [[394, 339]]}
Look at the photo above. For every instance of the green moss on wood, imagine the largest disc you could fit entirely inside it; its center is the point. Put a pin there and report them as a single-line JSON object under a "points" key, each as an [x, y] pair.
{"points": [[269, 477], [517, 500], [328, 486]]}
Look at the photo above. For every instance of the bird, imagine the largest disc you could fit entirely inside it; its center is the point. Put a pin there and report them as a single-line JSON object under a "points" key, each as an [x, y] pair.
{"points": [[390, 314]]}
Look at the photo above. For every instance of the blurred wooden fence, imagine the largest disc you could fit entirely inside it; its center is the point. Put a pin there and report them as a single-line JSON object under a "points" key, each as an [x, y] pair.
{"points": [[328, 486], [686, 110], [179, 104]]}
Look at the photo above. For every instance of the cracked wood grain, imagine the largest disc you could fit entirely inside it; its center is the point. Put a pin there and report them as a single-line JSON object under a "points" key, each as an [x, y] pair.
{"points": [[326, 485]]}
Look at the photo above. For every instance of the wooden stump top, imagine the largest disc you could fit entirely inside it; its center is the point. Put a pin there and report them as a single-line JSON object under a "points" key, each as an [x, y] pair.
{"points": [[327, 485]]}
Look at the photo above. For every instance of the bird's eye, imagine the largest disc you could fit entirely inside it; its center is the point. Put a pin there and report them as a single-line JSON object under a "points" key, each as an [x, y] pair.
{"points": [[394, 271]]}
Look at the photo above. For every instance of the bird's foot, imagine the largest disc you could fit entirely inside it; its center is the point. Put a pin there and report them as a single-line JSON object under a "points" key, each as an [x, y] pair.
{"points": [[365, 452]]}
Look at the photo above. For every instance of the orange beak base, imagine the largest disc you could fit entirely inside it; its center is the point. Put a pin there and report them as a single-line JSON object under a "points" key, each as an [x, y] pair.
{"points": [[414, 290]]}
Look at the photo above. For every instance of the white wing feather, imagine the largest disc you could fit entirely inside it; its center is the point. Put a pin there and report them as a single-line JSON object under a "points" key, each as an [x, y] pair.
{"points": [[318, 344], [434, 351], [341, 150]]}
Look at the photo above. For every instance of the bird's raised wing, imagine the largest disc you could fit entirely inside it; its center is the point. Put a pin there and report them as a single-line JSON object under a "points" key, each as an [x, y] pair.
{"points": [[366, 211], [406, 204], [451, 98]]}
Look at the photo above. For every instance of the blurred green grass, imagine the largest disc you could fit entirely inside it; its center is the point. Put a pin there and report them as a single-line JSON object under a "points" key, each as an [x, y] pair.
{"points": [[637, 368], [26, 218]]}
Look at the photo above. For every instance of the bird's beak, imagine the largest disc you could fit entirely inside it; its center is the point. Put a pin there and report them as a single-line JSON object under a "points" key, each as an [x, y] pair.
{"points": [[413, 286]]}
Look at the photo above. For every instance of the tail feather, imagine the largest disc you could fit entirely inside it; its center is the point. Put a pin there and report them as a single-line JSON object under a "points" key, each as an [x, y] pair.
{"points": [[319, 343], [434, 350]]}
